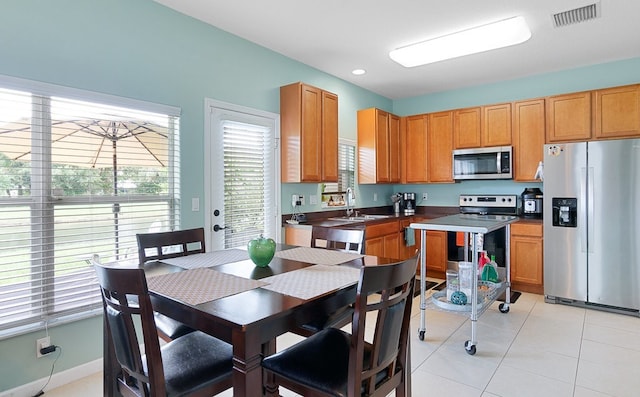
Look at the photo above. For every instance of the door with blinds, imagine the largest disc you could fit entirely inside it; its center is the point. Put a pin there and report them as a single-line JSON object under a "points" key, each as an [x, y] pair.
{"points": [[243, 176]]}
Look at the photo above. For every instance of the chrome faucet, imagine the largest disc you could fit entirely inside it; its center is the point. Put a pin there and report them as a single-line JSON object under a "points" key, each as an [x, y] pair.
{"points": [[349, 196]]}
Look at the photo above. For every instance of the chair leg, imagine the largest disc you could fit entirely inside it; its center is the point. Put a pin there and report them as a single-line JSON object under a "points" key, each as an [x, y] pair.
{"points": [[270, 388]]}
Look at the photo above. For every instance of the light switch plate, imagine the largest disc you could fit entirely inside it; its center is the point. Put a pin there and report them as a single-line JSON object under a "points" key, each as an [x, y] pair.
{"points": [[195, 204]]}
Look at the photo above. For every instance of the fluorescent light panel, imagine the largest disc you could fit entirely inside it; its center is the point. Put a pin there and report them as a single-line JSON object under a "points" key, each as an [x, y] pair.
{"points": [[479, 39]]}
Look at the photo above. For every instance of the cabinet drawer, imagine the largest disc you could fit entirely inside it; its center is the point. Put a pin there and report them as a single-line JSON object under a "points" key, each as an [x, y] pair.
{"points": [[526, 229], [381, 229]]}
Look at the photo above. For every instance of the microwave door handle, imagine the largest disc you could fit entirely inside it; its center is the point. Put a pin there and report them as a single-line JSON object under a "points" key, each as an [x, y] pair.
{"points": [[498, 159]]}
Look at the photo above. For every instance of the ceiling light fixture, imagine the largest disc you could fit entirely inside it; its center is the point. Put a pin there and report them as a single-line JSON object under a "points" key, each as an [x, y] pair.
{"points": [[358, 72], [479, 39]]}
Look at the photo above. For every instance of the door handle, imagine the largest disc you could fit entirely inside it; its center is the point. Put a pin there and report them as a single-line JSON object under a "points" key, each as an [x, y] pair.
{"points": [[217, 228]]}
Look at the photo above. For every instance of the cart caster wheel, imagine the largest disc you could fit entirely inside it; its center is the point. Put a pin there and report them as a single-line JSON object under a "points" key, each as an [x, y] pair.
{"points": [[504, 308], [421, 335], [471, 349]]}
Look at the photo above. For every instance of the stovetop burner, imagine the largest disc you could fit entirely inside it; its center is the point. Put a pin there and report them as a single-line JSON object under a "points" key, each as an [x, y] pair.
{"points": [[489, 204]]}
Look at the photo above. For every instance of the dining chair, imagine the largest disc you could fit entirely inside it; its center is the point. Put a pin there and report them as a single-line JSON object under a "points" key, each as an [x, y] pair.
{"points": [[346, 240], [195, 364], [165, 245], [335, 363]]}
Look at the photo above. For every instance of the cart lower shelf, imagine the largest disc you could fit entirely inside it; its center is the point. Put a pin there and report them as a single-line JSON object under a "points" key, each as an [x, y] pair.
{"points": [[485, 297]]}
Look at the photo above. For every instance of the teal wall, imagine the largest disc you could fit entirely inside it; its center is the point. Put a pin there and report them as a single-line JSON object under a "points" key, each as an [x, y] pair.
{"points": [[142, 50]]}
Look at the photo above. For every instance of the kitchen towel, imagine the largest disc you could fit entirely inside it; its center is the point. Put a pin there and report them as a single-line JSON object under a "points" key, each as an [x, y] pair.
{"points": [[409, 237]]}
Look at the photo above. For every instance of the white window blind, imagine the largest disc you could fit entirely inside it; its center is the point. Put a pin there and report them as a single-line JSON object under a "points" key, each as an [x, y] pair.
{"points": [[248, 183], [77, 178], [346, 172]]}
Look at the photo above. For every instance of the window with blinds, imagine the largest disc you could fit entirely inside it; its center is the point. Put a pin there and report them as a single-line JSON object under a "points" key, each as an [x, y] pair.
{"points": [[248, 198], [77, 178], [333, 192]]}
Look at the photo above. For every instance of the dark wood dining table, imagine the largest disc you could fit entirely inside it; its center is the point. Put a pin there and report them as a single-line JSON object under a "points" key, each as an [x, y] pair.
{"points": [[249, 320]]}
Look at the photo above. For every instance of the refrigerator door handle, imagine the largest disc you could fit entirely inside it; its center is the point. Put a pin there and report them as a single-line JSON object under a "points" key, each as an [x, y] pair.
{"points": [[590, 206], [582, 210]]}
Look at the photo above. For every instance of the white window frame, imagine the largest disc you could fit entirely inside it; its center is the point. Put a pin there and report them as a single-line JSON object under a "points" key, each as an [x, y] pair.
{"points": [[173, 197]]}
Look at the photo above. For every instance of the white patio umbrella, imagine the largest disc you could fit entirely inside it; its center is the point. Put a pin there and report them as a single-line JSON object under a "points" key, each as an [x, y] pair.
{"points": [[92, 143]]}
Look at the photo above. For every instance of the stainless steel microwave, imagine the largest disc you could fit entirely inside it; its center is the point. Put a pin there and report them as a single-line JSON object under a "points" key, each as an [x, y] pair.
{"points": [[483, 163]]}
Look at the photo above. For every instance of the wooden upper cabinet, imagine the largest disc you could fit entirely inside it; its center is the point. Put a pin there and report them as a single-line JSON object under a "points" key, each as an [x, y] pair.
{"points": [[440, 147], [414, 149], [496, 125], [309, 134], [616, 112], [394, 148], [528, 138], [378, 146], [466, 128], [569, 117], [329, 137]]}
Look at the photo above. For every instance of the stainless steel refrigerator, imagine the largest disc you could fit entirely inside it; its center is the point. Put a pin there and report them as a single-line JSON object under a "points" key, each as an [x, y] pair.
{"points": [[591, 218]]}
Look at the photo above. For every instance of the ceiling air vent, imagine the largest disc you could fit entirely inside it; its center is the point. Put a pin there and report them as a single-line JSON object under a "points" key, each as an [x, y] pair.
{"points": [[576, 15]]}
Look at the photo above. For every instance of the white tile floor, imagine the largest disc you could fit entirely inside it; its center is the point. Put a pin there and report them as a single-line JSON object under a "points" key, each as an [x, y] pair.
{"points": [[537, 349]]}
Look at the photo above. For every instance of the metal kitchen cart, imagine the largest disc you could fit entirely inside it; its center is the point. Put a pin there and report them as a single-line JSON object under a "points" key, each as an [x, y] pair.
{"points": [[474, 226]]}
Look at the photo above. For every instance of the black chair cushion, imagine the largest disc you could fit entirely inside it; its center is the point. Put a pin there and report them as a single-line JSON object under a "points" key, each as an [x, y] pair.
{"points": [[320, 361], [193, 360], [170, 327]]}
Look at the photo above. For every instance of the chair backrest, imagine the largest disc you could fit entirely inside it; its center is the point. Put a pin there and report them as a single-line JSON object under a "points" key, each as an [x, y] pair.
{"points": [[164, 245], [126, 301], [387, 290], [348, 240]]}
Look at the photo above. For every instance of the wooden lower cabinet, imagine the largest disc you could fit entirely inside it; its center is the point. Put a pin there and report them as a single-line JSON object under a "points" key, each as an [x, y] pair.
{"points": [[527, 257], [297, 236], [383, 239], [436, 254]]}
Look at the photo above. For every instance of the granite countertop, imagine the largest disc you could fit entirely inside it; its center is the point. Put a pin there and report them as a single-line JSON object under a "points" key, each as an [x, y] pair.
{"points": [[333, 218]]}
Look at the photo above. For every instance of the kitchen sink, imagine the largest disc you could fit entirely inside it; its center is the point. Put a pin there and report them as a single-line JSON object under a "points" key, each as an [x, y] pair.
{"points": [[360, 218]]}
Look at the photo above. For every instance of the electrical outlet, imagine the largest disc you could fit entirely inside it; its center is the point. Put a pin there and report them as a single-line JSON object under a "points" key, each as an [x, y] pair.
{"points": [[375, 196], [313, 199], [425, 196], [42, 343], [294, 200], [300, 199]]}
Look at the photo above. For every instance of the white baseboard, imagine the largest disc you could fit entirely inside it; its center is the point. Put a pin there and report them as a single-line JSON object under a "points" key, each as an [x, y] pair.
{"points": [[57, 380]]}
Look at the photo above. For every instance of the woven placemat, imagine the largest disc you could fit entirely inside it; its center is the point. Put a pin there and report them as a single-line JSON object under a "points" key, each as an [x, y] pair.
{"points": [[317, 256], [208, 259], [201, 285], [312, 281]]}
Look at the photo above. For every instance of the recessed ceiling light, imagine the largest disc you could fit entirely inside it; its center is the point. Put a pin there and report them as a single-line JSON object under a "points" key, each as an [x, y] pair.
{"points": [[358, 72], [479, 39]]}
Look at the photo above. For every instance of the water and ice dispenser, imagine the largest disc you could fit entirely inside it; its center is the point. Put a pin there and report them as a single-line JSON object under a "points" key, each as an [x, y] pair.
{"points": [[565, 212]]}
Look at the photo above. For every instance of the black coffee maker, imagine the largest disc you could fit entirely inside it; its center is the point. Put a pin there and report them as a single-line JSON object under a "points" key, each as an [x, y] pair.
{"points": [[408, 203], [532, 203]]}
